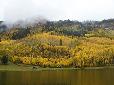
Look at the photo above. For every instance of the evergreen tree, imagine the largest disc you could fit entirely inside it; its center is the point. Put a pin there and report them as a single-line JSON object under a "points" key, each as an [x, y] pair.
{"points": [[4, 59], [61, 42]]}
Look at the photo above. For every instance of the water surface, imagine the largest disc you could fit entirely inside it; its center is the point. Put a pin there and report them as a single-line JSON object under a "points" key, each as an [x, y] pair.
{"points": [[58, 77]]}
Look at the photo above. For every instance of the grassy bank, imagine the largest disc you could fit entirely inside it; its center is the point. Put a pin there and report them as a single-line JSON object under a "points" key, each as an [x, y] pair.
{"points": [[22, 67]]}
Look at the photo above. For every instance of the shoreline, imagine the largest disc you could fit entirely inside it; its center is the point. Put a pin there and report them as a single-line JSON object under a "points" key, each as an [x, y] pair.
{"points": [[31, 68]]}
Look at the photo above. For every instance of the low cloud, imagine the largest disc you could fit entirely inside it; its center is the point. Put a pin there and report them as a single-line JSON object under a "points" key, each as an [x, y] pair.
{"points": [[13, 10]]}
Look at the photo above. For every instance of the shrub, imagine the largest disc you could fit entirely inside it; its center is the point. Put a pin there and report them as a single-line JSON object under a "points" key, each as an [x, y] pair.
{"points": [[4, 59], [17, 61]]}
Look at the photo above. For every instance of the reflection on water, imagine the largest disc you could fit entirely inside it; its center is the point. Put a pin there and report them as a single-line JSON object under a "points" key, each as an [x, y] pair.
{"points": [[67, 77]]}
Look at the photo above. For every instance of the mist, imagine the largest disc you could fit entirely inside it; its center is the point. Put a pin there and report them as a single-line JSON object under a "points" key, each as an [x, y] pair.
{"points": [[15, 10]]}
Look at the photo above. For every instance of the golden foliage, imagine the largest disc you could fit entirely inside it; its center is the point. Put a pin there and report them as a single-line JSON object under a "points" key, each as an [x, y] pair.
{"points": [[48, 50]]}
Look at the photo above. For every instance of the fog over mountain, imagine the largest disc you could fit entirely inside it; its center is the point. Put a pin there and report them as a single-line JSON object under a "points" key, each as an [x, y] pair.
{"points": [[13, 10]]}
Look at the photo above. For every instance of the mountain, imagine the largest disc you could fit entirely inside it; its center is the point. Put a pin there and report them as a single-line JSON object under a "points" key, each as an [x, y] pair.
{"points": [[21, 29], [62, 43]]}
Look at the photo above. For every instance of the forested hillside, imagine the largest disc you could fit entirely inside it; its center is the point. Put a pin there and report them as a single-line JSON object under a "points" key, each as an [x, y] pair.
{"points": [[59, 43]]}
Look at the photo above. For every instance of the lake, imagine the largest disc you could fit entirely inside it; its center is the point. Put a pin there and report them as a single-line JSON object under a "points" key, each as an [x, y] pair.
{"points": [[58, 77]]}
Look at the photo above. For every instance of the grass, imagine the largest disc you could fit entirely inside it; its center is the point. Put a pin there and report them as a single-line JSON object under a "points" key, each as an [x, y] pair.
{"points": [[22, 67], [13, 67]]}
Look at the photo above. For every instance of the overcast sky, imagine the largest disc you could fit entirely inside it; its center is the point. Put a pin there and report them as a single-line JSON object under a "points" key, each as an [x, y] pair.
{"points": [[13, 10]]}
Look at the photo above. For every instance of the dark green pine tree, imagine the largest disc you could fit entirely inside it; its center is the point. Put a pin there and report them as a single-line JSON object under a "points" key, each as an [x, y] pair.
{"points": [[4, 59], [61, 42]]}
